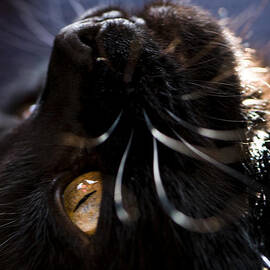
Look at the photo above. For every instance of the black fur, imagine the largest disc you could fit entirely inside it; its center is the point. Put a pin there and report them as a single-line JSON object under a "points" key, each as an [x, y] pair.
{"points": [[131, 67]]}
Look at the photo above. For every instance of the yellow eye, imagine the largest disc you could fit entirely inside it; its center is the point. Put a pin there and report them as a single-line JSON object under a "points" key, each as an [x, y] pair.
{"points": [[82, 199]]}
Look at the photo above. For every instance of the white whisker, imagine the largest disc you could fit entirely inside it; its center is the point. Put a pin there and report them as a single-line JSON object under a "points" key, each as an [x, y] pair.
{"points": [[19, 34], [225, 135], [10, 238], [224, 155], [15, 42], [265, 260], [73, 140], [56, 11], [118, 199], [7, 224], [192, 96], [32, 23], [265, 83], [202, 225], [77, 7], [226, 169], [226, 120]]}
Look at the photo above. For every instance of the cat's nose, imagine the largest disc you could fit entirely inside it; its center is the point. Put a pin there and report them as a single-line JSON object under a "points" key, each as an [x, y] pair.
{"points": [[107, 38], [71, 41]]}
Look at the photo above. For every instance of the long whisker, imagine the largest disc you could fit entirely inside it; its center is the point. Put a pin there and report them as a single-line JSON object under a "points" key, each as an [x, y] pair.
{"points": [[208, 93], [20, 34], [56, 11], [7, 224], [201, 225], [226, 169], [77, 7], [15, 42], [224, 135], [73, 140], [9, 239], [225, 120], [32, 23], [265, 260], [193, 96], [118, 199], [225, 155]]}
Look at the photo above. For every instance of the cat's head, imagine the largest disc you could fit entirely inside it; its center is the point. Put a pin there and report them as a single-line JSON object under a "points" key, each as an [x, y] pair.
{"points": [[149, 105]]}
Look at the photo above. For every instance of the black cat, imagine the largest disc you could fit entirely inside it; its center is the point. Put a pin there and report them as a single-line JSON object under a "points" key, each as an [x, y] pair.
{"points": [[165, 105]]}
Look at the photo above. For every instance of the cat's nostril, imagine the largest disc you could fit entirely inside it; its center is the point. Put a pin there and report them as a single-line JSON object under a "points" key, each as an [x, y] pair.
{"points": [[114, 39], [87, 40], [77, 40], [87, 36]]}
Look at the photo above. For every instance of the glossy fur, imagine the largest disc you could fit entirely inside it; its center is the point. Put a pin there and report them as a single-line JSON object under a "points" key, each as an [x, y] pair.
{"points": [[102, 66]]}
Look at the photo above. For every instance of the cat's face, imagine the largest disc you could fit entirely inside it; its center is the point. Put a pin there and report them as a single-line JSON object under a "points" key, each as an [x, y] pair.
{"points": [[118, 85]]}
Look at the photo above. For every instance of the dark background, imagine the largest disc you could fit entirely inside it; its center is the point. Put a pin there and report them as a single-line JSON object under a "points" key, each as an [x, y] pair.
{"points": [[27, 29]]}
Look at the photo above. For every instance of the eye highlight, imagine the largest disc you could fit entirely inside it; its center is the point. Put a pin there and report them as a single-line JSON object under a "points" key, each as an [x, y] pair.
{"points": [[82, 199]]}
